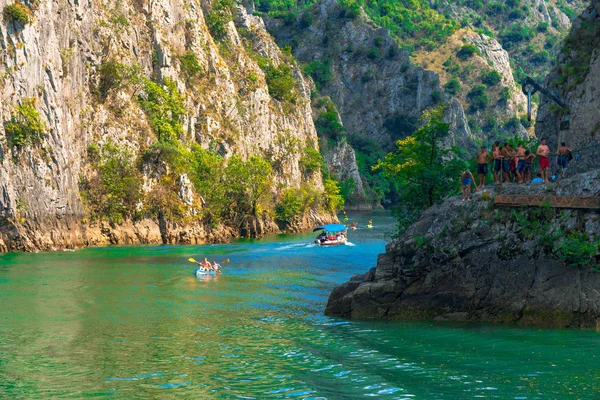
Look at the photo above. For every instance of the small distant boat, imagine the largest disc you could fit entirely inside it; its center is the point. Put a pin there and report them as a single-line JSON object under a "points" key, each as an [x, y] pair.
{"points": [[370, 224], [331, 235]]}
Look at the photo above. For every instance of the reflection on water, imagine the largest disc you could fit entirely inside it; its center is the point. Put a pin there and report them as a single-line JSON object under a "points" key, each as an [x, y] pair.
{"points": [[136, 323]]}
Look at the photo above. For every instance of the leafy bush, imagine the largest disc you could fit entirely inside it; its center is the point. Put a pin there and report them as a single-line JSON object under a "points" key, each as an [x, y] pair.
{"points": [[26, 126], [542, 27], [280, 82], [320, 71], [478, 98], [328, 125], [164, 107], [436, 96], [114, 76], [505, 93], [246, 184], [290, 206], [467, 51], [334, 199], [311, 161], [491, 78], [17, 13], [190, 65], [452, 86], [424, 169], [115, 190], [515, 34], [578, 250], [540, 57], [221, 14]]}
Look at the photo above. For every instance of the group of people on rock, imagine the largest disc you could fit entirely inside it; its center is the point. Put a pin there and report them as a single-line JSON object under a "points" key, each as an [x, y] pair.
{"points": [[514, 165]]}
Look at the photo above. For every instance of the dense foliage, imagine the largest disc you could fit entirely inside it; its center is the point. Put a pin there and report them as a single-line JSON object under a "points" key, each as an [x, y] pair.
{"points": [[26, 125], [423, 168], [17, 13], [114, 191]]}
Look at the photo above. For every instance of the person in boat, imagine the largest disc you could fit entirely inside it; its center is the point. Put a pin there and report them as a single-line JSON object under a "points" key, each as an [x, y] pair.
{"points": [[206, 265], [216, 267]]}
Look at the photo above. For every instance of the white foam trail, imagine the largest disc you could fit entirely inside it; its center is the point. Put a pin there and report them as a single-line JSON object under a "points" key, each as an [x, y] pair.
{"points": [[291, 246], [350, 244]]}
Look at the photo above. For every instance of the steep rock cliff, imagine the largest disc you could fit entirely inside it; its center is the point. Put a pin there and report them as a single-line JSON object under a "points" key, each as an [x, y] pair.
{"points": [[54, 62], [480, 262], [379, 92], [576, 81]]}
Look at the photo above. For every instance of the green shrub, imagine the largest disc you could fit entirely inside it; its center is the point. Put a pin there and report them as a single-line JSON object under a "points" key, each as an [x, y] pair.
{"points": [[280, 82], [219, 16], [332, 194], [320, 71], [350, 9], [578, 250], [467, 51], [190, 65], [26, 126], [17, 13], [452, 87], [505, 93], [115, 190], [436, 96], [311, 160], [540, 57], [114, 76], [515, 34], [328, 125], [290, 206], [478, 98], [164, 107], [542, 27], [491, 78]]}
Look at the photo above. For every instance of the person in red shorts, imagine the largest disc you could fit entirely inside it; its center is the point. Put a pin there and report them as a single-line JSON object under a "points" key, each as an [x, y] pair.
{"points": [[543, 151]]}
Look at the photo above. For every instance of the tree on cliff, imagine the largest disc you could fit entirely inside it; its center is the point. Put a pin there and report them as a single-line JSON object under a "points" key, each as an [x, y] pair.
{"points": [[425, 170]]}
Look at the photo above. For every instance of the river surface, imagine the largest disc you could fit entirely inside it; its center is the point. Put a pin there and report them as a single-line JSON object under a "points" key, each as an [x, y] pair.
{"points": [[132, 322]]}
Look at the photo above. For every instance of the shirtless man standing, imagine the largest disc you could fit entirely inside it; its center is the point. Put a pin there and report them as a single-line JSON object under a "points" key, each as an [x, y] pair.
{"points": [[497, 162], [506, 156], [520, 163], [562, 158], [543, 151], [482, 166]]}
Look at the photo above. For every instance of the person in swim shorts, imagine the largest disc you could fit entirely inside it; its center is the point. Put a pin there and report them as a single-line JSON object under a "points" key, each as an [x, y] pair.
{"points": [[496, 153], [562, 157], [482, 158], [543, 151], [529, 156], [520, 159], [467, 179]]}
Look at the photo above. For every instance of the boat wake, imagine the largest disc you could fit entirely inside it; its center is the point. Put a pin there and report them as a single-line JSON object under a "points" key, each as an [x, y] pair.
{"points": [[350, 244], [294, 246]]}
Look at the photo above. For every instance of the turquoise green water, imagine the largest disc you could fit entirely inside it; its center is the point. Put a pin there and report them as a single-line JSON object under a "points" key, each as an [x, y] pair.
{"points": [[132, 322]]}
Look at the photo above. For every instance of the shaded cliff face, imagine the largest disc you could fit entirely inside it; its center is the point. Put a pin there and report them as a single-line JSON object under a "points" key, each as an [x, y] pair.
{"points": [[480, 262], [55, 65], [576, 81], [378, 91]]}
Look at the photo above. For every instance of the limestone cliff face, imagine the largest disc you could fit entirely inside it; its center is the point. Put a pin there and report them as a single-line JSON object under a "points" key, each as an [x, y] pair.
{"points": [[479, 262], [576, 80], [55, 60], [379, 92]]}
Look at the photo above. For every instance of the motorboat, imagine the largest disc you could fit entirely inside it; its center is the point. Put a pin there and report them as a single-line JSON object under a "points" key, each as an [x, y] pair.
{"points": [[331, 235]]}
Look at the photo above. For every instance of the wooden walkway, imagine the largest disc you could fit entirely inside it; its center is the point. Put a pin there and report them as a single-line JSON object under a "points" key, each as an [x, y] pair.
{"points": [[590, 203]]}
